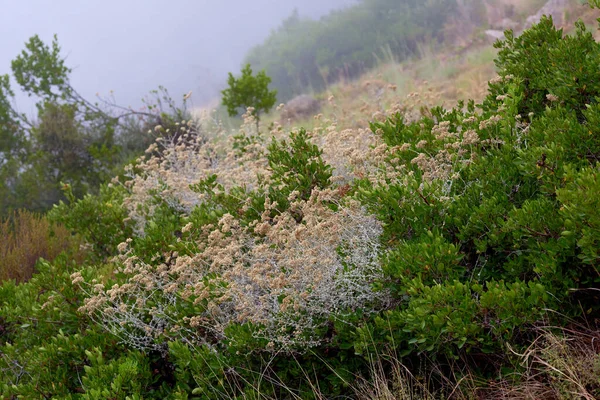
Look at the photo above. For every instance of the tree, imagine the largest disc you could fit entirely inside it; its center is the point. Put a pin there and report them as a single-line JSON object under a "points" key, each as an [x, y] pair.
{"points": [[39, 153], [249, 91], [71, 139]]}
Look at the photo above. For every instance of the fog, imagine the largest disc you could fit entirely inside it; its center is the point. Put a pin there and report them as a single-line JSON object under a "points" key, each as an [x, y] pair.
{"points": [[132, 46]]}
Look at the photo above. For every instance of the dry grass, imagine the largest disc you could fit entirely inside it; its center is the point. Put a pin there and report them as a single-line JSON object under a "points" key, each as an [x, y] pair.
{"points": [[434, 79], [26, 237], [562, 364], [559, 365], [390, 379], [394, 383]]}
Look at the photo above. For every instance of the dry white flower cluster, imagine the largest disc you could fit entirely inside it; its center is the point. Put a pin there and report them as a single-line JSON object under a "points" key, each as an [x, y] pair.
{"points": [[288, 273], [171, 166], [192, 155], [350, 153], [446, 163], [288, 278]]}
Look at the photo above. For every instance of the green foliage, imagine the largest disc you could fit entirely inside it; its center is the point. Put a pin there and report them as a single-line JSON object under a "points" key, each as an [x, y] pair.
{"points": [[11, 134], [297, 166], [43, 340], [482, 253], [117, 378], [579, 208], [49, 350], [446, 318], [58, 147], [551, 69], [41, 71], [100, 219], [431, 259], [249, 91]]}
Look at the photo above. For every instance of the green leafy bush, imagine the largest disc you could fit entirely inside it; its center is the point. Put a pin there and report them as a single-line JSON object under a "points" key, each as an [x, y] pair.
{"points": [[296, 166], [49, 350], [101, 220], [552, 69], [249, 92], [484, 236]]}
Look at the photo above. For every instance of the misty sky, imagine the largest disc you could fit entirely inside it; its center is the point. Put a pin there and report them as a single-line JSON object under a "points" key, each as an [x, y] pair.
{"points": [[132, 46]]}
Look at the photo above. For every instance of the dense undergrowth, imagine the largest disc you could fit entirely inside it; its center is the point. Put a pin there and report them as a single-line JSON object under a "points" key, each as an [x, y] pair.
{"points": [[452, 254]]}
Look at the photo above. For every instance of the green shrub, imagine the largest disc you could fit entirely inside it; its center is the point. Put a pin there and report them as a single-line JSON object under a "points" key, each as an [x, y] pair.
{"points": [[579, 208], [101, 219], [49, 350], [249, 92], [552, 69], [297, 166], [486, 226]]}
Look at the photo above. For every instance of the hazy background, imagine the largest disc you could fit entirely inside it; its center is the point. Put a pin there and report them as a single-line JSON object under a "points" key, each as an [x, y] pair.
{"points": [[132, 46]]}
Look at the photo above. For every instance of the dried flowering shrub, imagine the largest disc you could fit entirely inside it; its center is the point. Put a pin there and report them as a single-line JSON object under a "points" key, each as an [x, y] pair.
{"points": [[165, 176], [284, 277], [253, 230], [265, 239]]}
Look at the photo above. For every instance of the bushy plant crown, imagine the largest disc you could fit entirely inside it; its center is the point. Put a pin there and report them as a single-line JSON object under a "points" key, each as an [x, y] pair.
{"points": [[249, 92]]}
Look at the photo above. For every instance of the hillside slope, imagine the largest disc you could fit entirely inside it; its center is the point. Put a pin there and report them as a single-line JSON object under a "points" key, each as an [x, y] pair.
{"points": [[438, 76]]}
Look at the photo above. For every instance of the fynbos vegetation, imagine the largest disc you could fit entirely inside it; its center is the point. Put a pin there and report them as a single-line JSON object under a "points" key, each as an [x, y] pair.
{"points": [[444, 253]]}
